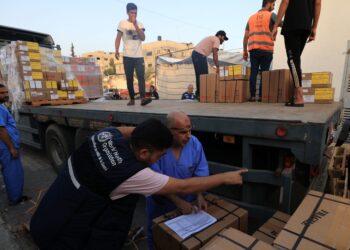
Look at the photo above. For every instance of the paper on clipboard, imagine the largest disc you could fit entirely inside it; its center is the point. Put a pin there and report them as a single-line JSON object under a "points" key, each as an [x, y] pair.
{"points": [[186, 225]]}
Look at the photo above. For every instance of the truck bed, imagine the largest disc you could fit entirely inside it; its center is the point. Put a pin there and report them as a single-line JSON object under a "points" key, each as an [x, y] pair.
{"points": [[311, 113]]}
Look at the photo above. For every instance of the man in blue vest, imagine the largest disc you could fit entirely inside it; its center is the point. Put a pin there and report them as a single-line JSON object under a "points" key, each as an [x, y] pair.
{"points": [[184, 159], [91, 203], [10, 161]]}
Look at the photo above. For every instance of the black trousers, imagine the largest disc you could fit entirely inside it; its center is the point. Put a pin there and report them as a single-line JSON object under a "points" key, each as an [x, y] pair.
{"points": [[200, 63], [130, 66], [76, 218], [295, 42]]}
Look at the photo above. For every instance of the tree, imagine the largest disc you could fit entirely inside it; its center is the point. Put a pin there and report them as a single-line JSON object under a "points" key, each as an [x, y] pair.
{"points": [[111, 70], [72, 53]]}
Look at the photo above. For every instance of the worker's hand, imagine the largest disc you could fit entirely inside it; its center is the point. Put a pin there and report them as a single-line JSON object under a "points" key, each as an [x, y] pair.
{"points": [[201, 202], [274, 33], [117, 55], [245, 55], [133, 20], [235, 177], [185, 207], [14, 153], [312, 36]]}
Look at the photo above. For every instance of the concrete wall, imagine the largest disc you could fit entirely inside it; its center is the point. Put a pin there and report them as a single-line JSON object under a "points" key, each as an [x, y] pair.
{"points": [[327, 53]]}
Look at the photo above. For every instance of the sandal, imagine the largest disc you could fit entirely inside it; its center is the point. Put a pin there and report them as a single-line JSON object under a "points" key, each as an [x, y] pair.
{"points": [[292, 104]]}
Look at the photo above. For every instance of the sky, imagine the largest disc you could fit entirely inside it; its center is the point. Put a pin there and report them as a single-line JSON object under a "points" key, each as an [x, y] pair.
{"points": [[92, 25]]}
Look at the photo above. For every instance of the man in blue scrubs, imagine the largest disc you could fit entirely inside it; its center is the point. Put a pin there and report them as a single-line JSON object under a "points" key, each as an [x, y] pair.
{"points": [[184, 159], [12, 169]]}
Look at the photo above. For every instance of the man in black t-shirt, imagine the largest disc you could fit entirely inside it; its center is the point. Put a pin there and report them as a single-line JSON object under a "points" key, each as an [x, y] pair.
{"points": [[188, 95], [299, 26]]}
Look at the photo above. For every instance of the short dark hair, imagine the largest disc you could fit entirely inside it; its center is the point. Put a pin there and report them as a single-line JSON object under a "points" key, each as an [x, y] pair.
{"points": [[130, 6], [151, 134], [265, 2], [2, 85]]}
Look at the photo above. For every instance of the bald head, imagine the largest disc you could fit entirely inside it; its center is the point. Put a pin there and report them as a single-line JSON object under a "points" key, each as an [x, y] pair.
{"points": [[176, 119]]}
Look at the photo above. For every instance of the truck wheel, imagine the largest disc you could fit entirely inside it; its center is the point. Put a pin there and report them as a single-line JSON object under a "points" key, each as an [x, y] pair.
{"points": [[59, 144], [81, 136]]}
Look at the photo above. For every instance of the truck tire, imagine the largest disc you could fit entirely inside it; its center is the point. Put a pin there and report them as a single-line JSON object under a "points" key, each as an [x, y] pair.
{"points": [[81, 136], [59, 144]]}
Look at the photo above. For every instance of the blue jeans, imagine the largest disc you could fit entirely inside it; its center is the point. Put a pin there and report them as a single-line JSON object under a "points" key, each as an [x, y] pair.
{"points": [[259, 60], [200, 64], [131, 65], [12, 172]]}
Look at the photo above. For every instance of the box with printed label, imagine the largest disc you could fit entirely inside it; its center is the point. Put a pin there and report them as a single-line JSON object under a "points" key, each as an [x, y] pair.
{"points": [[62, 85], [233, 239], [319, 95], [50, 85], [79, 94], [51, 95], [270, 230], [317, 80], [226, 213], [208, 87], [34, 95], [322, 221], [71, 95], [62, 94], [234, 72], [27, 46]]}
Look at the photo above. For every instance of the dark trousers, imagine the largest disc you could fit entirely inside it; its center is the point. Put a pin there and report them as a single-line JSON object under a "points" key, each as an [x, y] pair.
{"points": [[295, 42], [259, 60], [200, 64], [71, 218], [131, 65]]}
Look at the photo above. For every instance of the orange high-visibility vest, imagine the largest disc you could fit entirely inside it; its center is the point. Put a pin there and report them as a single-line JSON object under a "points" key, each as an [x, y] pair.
{"points": [[259, 31]]}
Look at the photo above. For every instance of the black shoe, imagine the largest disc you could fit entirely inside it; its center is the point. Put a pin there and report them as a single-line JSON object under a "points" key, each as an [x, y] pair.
{"points": [[131, 102], [145, 101], [21, 200]]}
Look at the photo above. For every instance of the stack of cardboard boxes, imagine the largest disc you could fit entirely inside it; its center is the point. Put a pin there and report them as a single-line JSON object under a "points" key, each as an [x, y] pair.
{"points": [[43, 75], [317, 87], [277, 86], [226, 213], [87, 72], [230, 86]]}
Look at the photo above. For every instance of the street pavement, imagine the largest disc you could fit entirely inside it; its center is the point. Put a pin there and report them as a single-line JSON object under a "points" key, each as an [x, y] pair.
{"points": [[38, 176]]}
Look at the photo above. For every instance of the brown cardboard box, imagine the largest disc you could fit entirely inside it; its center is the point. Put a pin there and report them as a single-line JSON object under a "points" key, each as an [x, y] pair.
{"points": [[71, 95], [62, 85], [28, 56], [221, 91], [51, 95], [241, 91], [233, 239], [319, 95], [34, 95], [234, 72], [277, 86], [322, 221], [228, 215], [317, 80], [27, 46], [62, 94], [270, 230], [208, 87], [230, 90], [79, 94]]}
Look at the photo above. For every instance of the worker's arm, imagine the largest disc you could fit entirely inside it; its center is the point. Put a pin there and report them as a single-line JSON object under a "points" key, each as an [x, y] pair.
{"points": [[139, 31], [6, 139], [117, 44], [185, 207], [216, 58], [245, 45], [312, 36], [281, 12], [200, 184], [126, 131]]}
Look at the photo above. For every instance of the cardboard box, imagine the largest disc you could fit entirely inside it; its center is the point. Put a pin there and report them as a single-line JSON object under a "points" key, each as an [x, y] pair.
{"points": [[50, 85], [71, 95], [62, 94], [208, 87], [62, 85], [319, 95], [221, 91], [27, 46], [51, 95], [34, 95], [317, 80], [228, 215], [29, 85], [79, 94], [233, 239], [234, 72], [270, 230], [241, 93], [277, 86], [322, 221]]}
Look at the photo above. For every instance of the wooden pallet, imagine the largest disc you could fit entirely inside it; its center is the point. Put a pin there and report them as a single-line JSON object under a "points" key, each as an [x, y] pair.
{"points": [[337, 164], [56, 102]]}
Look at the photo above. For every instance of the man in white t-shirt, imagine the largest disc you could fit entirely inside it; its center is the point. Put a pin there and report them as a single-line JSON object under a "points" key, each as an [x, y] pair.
{"points": [[133, 34], [202, 50]]}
